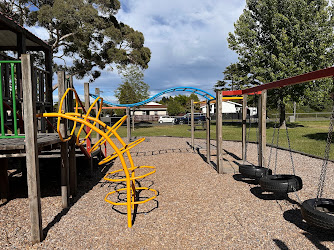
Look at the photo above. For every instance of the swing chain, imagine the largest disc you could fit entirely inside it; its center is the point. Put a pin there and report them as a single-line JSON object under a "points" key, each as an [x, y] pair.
{"points": [[326, 157], [292, 163], [248, 135], [272, 144], [247, 139], [295, 192], [277, 140], [257, 127]]}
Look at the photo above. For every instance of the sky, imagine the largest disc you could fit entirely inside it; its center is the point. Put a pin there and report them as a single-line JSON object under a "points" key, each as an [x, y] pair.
{"points": [[187, 39]]}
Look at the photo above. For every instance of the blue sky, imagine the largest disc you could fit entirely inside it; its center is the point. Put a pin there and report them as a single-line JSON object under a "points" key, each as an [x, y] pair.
{"points": [[188, 41]]}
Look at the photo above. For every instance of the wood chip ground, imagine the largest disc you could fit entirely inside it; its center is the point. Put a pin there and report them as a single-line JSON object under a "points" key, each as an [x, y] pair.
{"points": [[196, 208]]}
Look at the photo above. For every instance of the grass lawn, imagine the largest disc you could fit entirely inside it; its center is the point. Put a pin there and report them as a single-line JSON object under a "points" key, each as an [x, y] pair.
{"points": [[309, 137]]}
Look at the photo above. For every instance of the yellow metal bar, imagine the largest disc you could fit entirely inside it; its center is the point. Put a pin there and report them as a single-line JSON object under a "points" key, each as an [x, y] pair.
{"points": [[60, 111], [226, 98], [122, 150], [128, 184], [233, 98], [86, 120], [132, 178], [109, 132], [136, 202]]}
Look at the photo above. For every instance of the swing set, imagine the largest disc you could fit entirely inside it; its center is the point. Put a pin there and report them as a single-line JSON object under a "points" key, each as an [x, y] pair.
{"points": [[319, 211]]}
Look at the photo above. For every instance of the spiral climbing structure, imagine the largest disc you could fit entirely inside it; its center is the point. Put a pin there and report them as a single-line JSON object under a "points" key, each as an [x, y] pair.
{"points": [[127, 172]]}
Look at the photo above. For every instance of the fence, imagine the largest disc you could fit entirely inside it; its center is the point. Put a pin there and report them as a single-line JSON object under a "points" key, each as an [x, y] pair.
{"points": [[11, 97], [319, 116], [8, 92]]}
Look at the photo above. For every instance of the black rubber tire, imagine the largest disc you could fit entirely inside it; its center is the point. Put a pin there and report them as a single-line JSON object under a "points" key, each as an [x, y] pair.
{"points": [[253, 172], [312, 214], [282, 183]]}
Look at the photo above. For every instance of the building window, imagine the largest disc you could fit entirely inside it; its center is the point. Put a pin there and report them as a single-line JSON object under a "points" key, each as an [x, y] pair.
{"points": [[144, 113], [155, 112]]}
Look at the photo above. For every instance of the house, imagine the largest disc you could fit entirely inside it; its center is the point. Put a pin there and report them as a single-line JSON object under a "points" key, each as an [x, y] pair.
{"points": [[149, 112], [229, 107], [151, 108]]}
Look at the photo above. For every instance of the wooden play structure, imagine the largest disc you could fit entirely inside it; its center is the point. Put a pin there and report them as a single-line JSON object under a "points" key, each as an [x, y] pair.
{"points": [[28, 124]]}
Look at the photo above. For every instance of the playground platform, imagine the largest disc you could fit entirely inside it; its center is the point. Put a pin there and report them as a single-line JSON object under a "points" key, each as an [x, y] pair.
{"points": [[196, 208], [11, 147], [16, 148]]}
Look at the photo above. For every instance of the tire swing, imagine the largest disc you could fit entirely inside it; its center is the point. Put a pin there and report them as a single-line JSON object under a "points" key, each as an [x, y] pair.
{"points": [[281, 183], [249, 170], [319, 212]]}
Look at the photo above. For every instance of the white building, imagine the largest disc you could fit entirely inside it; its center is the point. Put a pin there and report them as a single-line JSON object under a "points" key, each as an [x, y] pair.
{"points": [[151, 108], [229, 107]]}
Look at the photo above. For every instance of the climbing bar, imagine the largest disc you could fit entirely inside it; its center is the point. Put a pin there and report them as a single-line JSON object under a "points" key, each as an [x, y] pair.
{"points": [[135, 202], [110, 132], [13, 109], [123, 150], [61, 111], [129, 172], [85, 118], [197, 91], [132, 178], [311, 76]]}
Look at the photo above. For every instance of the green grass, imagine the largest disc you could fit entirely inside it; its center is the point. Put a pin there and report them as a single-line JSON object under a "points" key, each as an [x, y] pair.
{"points": [[309, 137]]}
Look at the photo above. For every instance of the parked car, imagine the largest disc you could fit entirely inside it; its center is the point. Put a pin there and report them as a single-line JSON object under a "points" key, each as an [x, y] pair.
{"points": [[164, 119], [186, 119]]}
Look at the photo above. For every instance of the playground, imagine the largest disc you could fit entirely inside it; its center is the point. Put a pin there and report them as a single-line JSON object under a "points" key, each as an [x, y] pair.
{"points": [[74, 190], [163, 191], [195, 208]]}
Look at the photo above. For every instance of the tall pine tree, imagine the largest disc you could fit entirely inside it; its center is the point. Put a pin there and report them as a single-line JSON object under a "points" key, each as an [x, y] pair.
{"points": [[276, 39]]}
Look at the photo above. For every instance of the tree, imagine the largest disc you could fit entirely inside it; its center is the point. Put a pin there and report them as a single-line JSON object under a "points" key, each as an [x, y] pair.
{"points": [[180, 103], [221, 85], [164, 100], [174, 107], [194, 97], [133, 89], [86, 31], [276, 39]]}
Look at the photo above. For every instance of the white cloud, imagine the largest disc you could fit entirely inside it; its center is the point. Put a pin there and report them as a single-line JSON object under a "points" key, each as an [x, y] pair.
{"points": [[187, 39]]}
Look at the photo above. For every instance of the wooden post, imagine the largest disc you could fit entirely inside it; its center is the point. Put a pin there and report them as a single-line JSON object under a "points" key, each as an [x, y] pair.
{"points": [[87, 105], [262, 128], [4, 183], [63, 145], [30, 127], [71, 144], [133, 119], [128, 125], [73, 167], [88, 142], [22, 49], [208, 146], [244, 127], [192, 125], [48, 86], [70, 104], [219, 132], [97, 92]]}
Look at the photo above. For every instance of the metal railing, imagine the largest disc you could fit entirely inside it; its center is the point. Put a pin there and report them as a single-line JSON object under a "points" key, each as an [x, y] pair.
{"points": [[13, 90], [315, 116]]}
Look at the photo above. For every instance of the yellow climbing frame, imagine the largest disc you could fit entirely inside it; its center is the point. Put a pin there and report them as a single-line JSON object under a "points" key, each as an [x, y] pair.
{"points": [[106, 133]]}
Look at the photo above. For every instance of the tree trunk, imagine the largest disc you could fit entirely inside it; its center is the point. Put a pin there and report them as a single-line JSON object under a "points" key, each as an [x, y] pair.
{"points": [[282, 122]]}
